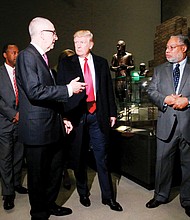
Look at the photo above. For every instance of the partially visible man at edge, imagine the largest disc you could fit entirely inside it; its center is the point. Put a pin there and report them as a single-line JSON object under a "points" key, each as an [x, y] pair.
{"points": [[169, 90], [11, 151]]}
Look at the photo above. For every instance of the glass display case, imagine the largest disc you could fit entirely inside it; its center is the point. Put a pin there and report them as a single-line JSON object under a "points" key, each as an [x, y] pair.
{"points": [[133, 139], [135, 109]]}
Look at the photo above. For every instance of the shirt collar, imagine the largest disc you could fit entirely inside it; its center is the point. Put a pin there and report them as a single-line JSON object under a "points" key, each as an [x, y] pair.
{"points": [[183, 62], [39, 49], [9, 68], [89, 57]]}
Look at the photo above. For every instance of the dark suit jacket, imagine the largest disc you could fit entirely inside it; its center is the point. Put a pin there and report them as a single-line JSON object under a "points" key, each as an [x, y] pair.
{"points": [[8, 107], [68, 69], [161, 86], [38, 98]]}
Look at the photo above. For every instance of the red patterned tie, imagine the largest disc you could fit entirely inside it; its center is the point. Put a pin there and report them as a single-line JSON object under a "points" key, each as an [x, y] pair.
{"points": [[91, 104], [15, 87]]}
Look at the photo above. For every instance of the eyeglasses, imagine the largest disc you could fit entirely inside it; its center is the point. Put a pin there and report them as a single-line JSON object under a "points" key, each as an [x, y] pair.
{"points": [[173, 47], [53, 32]]}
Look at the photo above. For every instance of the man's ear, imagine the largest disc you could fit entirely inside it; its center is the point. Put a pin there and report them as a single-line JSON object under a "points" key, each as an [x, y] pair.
{"points": [[91, 45], [4, 55], [184, 48]]}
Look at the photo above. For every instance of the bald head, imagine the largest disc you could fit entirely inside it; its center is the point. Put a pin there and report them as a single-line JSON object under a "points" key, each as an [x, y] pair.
{"points": [[37, 25], [42, 33]]}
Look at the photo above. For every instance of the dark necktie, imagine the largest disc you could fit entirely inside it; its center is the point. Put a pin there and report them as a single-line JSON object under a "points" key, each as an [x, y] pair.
{"points": [[15, 87], [91, 104], [176, 75]]}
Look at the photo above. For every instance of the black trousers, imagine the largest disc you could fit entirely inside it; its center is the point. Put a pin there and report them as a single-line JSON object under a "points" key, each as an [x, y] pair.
{"points": [[45, 167]]}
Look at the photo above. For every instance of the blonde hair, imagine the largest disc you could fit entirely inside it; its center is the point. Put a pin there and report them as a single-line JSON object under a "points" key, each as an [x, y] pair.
{"points": [[84, 33]]}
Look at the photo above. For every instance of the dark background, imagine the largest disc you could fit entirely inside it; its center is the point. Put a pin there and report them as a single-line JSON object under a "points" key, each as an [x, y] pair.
{"points": [[133, 21]]}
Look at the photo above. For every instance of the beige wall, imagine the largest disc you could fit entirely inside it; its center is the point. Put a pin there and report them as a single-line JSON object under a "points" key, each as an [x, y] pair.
{"points": [[110, 20]]}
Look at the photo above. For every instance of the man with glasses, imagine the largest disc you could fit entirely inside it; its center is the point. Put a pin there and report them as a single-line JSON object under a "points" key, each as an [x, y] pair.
{"points": [[40, 124], [169, 90]]}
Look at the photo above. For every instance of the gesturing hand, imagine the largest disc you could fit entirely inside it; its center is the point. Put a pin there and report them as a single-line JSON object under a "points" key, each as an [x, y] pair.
{"points": [[77, 86]]}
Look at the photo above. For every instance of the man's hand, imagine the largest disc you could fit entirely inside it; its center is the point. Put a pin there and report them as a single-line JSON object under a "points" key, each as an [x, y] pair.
{"points": [[170, 99], [68, 126], [16, 118], [77, 86], [176, 101], [112, 121], [180, 103]]}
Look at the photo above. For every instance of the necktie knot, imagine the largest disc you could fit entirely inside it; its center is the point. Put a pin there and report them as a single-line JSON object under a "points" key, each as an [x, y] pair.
{"points": [[45, 58], [177, 65]]}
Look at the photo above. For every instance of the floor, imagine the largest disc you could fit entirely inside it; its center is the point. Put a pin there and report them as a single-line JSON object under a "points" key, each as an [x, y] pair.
{"points": [[130, 195]]}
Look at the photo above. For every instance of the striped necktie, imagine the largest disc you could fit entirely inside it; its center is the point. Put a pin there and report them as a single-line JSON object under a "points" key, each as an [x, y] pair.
{"points": [[15, 87]]}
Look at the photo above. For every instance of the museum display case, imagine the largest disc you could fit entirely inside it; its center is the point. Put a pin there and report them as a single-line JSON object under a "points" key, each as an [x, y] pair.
{"points": [[135, 110], [134, 134], [133, 141]]}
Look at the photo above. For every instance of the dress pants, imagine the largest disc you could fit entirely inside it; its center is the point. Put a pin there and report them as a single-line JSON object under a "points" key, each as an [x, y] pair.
{"points": [[11, 160], [164, 167], [98, 146], [45, 167]]}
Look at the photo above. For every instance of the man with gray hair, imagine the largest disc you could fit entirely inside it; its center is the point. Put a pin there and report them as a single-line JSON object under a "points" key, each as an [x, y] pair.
{"points": [[169, 91]]}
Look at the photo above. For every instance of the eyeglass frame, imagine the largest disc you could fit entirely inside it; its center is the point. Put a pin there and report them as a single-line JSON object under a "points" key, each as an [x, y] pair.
{"points": [[53, 32], [173, 47]]}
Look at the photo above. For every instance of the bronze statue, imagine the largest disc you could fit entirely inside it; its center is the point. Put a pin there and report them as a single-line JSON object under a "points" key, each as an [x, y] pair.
{"points": [[122, 63]]}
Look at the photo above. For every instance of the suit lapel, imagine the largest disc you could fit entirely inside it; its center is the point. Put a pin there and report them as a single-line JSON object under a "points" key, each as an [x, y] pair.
{"points": [[5, 75], [186, 75], [76, 63], [169, 76], [33, 50], [97, 71]]}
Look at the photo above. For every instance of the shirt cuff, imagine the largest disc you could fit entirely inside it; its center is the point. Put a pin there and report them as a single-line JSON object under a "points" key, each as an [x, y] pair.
{"points": [[70, 90], [188, 105], [165, 106]]}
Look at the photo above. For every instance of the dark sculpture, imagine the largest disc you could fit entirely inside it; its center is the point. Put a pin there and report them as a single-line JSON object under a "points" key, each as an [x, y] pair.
{"points": [[122, 63]]}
